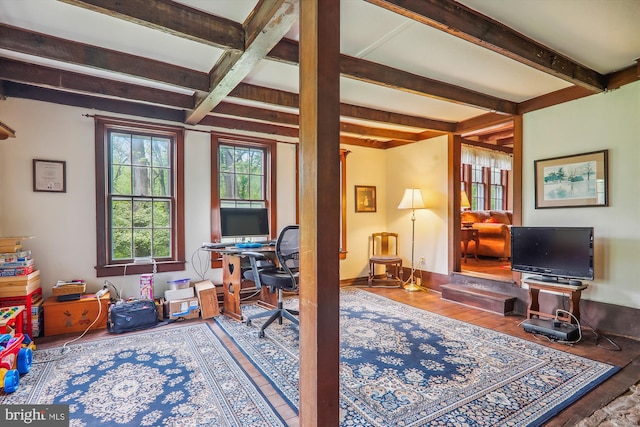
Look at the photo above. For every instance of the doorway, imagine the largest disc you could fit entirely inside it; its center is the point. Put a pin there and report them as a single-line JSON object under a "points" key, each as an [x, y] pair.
{"points": [[486, 167]]}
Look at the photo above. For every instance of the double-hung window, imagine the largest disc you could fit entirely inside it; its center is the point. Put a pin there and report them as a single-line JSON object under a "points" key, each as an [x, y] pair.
{"points": [[486, 173], [242, 176], [139, 196]]}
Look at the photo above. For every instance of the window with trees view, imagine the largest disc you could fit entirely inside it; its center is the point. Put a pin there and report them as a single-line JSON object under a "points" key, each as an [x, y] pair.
{"points": [[140, 205], [241, 176]]}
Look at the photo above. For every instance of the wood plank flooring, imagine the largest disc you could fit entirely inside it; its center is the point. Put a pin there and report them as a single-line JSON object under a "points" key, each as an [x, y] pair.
{"points": [[628, 357]]}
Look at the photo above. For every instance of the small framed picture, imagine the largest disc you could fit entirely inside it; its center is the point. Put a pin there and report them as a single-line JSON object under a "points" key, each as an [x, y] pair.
{"points": [[49, 176], [365, 198], [579, 180]]}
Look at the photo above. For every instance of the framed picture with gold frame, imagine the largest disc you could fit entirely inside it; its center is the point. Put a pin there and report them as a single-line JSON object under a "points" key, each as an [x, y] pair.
{"points": [[365, 198]]}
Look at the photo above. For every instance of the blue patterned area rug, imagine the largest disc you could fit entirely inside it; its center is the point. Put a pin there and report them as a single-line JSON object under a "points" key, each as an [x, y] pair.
{"points": [[170, 376], [401, 366]]}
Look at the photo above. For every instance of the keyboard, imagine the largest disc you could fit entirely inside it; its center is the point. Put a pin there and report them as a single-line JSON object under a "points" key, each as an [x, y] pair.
{"points": [[248, 245], [214, 245]]}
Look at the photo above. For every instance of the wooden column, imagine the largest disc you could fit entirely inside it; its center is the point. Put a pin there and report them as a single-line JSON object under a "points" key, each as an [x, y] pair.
{"points": [[319, 212]]}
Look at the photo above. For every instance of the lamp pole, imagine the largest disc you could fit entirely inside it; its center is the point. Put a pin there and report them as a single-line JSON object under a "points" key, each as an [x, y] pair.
{"points": [[411, 287], [412, 199]]}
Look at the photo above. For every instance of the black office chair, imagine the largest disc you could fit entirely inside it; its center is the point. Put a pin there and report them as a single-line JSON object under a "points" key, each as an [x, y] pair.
{"points": [[283, 277]]}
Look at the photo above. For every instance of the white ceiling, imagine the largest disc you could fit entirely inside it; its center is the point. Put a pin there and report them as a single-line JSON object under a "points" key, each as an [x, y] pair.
{"points": [[599, 34]]}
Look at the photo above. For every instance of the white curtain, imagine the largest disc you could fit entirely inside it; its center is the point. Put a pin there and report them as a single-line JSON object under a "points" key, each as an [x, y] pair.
{"points": [[485, 157]]}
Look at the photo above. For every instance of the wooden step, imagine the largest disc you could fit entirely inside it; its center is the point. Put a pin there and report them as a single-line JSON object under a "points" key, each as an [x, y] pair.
{"points": [[478, 297]]}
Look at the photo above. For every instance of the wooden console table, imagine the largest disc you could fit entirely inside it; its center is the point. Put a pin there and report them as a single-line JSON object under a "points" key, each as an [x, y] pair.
{"points": [[573, 292], [467, 235]]}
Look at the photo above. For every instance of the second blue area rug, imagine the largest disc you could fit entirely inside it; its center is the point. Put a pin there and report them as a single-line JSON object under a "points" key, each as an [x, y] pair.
{"points": [[401, 366]]}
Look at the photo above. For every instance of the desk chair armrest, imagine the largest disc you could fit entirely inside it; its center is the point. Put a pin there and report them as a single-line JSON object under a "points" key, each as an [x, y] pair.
{"points": [[256, 255]]}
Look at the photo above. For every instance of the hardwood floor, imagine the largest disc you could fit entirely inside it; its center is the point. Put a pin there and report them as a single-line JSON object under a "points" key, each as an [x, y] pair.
{"points": [[628, 357], [487, 266]]}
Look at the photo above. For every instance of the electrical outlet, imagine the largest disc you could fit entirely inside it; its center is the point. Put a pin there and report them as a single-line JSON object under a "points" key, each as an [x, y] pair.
{"points": [[421, 260]]}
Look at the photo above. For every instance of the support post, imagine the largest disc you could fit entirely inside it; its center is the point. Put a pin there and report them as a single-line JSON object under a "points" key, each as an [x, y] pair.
{"points": [[319, 212]]}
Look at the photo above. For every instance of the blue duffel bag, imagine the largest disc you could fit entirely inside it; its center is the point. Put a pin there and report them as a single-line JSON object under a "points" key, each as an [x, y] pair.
{"points": [[132, 316]]}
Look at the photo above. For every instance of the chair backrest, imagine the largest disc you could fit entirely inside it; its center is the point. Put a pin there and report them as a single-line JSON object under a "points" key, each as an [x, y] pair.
{"points": [[288, 250], [384, 243]]}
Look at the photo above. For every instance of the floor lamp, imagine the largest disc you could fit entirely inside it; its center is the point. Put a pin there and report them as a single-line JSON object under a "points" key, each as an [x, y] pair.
{"points": [[412, 199]]}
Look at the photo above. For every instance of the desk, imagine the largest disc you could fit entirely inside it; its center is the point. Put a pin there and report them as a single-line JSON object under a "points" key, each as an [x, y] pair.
{"points": [[467, 235], [573, 292], [232, 280]]}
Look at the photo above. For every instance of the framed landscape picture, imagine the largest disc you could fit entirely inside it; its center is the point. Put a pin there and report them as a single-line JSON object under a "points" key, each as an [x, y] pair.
{"points": [[572, 181]]}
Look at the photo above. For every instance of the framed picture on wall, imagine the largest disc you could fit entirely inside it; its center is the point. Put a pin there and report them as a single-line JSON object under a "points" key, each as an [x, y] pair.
{"points": [[365, 198], [50, 176], [579, 180]]}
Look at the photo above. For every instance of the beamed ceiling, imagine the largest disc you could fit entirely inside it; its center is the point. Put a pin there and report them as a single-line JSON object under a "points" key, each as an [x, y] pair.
{"points": [[410, 70]]}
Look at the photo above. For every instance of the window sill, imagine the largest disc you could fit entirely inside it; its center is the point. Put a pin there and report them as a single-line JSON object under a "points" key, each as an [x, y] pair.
{"points": [[131, 269]]}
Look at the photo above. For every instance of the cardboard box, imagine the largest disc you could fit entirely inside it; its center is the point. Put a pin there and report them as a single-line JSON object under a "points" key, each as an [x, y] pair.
{"points": [[178, 294], [187, 308], [63, 317], [208, 297]]}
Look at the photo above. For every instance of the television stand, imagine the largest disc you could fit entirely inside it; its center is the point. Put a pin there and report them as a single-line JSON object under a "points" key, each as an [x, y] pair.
{"points": [[571, 291], [554, 279]]}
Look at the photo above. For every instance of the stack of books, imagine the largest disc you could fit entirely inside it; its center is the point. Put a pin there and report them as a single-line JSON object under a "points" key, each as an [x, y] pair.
{"points": [[37, 318], [20, 283], [18, 274], [13, 260]]}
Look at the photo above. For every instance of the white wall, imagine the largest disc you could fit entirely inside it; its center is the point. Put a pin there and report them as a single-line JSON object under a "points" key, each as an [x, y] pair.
{"points": [[365, 166], [423, 165], [64, 224], [608, 121]]}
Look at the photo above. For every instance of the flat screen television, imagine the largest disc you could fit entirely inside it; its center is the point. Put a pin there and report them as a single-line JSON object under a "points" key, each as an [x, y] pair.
{"points": [[556, 254], [244, 222]]}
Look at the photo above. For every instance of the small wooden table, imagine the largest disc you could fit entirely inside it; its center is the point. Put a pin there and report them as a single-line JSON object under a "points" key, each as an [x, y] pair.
{"points": [[573, 292], [467, 235], [232, 280]]}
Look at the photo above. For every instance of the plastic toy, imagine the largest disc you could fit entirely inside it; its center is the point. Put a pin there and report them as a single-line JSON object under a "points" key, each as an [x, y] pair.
{"points": [[16, 357]]}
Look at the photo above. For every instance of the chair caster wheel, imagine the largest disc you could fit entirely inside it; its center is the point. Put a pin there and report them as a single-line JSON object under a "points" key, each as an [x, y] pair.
{"points": [[248, 322], [261, 334]]}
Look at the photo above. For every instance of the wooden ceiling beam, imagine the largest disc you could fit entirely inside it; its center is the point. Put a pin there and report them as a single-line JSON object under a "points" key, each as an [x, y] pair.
{"points": [[385, 76], [363, 142], [250, 126], [460, 21], [493, 147], [19, 90], [623, 77], [173, 18], [268, 23], [66, 80], [371, 132], [31, 43], [493, 136], [481, 122], [553, 98], [264, 114], [272, 116], [291, 100]]}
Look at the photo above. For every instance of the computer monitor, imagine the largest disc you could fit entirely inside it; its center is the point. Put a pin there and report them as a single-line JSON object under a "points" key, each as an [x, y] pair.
{"points": [[244, 222]]}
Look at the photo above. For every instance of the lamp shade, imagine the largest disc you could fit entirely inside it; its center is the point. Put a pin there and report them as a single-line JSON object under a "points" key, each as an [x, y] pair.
{"points": [[464, 200], [412, 199]]}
